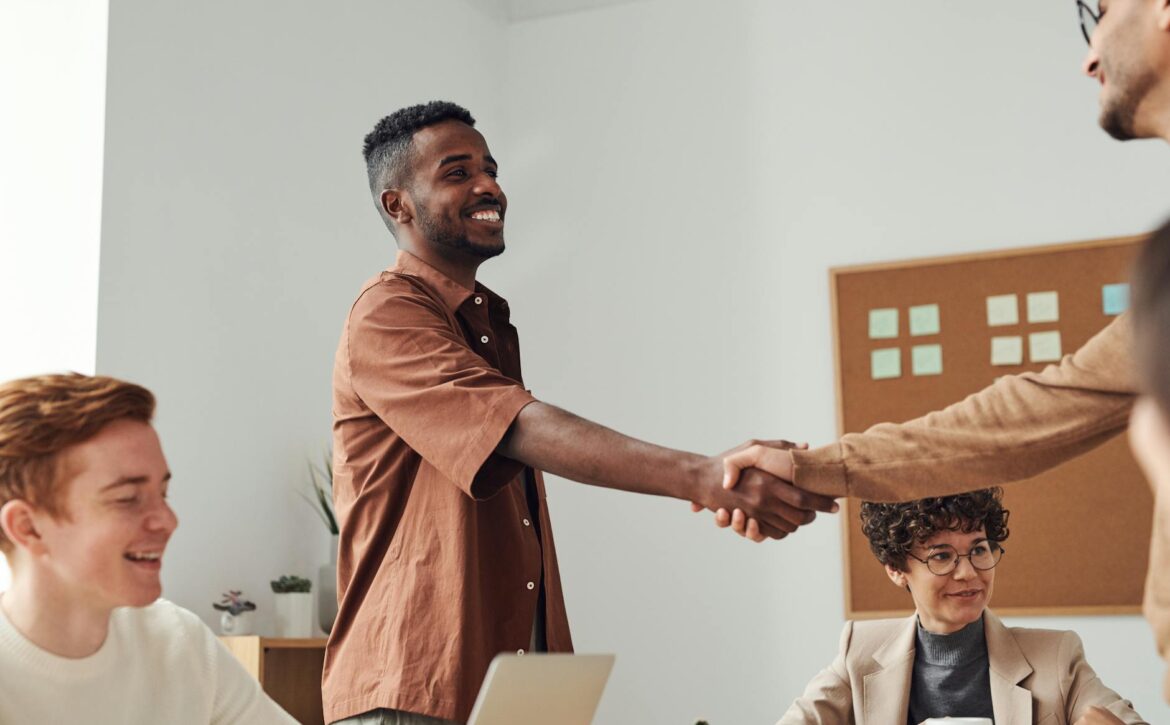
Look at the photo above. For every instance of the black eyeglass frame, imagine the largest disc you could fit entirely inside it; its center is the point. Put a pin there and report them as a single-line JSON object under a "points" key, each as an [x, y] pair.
{"points": [[1082, 10], [995, 547]]}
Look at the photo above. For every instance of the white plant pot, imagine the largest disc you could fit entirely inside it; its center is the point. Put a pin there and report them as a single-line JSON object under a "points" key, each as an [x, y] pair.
{"points": [[237, 625], [294, 614]]}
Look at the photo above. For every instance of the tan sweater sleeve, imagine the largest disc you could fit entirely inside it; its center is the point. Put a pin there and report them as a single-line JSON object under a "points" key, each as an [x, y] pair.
{"points": [[1019, 426]]}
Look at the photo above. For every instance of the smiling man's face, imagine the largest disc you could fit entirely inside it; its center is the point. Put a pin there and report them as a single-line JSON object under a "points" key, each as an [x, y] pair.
{"points": [[106, 550], [1129, 58], [457, 202]]}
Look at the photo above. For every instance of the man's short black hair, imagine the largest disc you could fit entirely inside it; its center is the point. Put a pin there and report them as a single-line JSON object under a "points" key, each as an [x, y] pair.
{"points": [[387, 149]]}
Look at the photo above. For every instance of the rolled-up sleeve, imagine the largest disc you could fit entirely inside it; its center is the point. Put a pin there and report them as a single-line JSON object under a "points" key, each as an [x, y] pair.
{"points": [[411, 366]]}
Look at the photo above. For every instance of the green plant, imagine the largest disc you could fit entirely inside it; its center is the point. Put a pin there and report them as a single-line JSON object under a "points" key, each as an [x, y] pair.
{"points": [[291, 583], [321, 479], [233, 601]]}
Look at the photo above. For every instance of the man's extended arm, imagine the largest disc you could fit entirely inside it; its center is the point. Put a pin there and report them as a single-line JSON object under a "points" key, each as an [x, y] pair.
{"points": [[554, 440], [1018, 427]]}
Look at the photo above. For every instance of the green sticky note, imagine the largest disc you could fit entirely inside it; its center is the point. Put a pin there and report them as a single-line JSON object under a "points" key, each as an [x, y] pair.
{"points": [[886, 363], [883, 323], [924, 320], [1003, 310], [927, 359]]}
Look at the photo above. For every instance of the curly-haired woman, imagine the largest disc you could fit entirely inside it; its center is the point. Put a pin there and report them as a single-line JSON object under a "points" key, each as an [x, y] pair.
{"points": [[952, 657]]}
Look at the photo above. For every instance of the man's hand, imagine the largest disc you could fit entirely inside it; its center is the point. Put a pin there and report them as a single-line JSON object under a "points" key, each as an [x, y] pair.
{"points": [[1099, 716], [769, 456], [782, 507]]}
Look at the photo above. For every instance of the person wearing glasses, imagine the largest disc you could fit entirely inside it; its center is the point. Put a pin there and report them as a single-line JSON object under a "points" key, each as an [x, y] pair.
{"points": [[953, 657], [1022, 424]]}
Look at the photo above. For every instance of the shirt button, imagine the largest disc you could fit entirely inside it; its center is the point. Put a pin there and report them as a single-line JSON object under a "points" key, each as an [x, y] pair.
{"points": [[479, 300], [527, 522], [484, 339], [531, 585], [520, 652]]}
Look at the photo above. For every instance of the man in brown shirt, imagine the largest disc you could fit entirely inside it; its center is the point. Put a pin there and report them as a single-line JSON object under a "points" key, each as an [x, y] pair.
{"points": [[1024, 424], [446, 550]]}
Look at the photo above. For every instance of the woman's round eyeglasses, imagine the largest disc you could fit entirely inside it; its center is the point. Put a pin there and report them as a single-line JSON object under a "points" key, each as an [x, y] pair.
{"points": [[944, 559]]}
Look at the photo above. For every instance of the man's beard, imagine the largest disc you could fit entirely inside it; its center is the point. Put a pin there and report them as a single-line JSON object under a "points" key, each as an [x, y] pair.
{"points": [[1119, 113], [441, 233]]}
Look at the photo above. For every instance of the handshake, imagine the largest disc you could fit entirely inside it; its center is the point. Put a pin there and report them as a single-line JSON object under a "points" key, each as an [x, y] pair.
{"points": [[757, 498]]}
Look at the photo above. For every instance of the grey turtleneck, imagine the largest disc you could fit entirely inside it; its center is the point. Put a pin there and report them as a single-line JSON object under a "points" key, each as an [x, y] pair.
{"points": [[951, 675]]}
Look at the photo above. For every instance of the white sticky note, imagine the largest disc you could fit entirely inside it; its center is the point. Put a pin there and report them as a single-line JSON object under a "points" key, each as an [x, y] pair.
{"points": [[1007, 350], [924, 320], [1003, 310], [883, 323], [1043, 307], [1044, 347], [926, 359], [886, 363]]}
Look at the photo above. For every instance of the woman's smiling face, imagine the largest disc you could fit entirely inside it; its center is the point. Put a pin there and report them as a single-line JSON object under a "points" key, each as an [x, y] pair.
{"points": [[947, 603]]}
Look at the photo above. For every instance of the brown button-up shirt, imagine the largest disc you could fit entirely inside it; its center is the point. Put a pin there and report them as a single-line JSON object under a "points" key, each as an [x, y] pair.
{"points": [[440, 566]]}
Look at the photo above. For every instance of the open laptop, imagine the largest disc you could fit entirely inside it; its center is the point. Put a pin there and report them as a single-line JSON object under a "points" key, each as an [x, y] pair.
{"points": [[541, 689]]}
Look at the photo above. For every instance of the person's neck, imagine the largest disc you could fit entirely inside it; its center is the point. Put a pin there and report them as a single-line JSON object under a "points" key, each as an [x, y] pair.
{"points": [[458, 266], [51, 617], [935, 626]]}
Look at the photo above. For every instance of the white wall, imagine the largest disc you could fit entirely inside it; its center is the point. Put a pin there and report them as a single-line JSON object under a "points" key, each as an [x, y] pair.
{"points": [[681, 177], [238, 229], [53, 72]]}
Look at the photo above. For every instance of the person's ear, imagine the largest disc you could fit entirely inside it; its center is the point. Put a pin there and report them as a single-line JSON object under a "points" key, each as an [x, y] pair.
{"points": [[1164, 15], [18, 522], [396, 204], [897, 576]]}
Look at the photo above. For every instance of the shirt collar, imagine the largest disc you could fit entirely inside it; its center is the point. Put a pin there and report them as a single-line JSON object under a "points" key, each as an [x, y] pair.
{"points": [[451, 292]]}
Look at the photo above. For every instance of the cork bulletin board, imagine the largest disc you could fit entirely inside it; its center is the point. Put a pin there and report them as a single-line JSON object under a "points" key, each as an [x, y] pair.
{"points": [[916, 336]]}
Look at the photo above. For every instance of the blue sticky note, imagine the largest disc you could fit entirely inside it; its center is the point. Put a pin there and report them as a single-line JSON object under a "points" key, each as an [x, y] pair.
{"points": [[1115, 298]]}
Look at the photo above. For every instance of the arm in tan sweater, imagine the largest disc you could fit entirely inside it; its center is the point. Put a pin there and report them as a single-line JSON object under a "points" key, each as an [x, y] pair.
{"points": [[1016, 428]]}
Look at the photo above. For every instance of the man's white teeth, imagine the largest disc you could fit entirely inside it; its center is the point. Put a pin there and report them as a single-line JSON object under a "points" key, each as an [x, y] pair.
{"points": [[486, 216], [144, 556]]}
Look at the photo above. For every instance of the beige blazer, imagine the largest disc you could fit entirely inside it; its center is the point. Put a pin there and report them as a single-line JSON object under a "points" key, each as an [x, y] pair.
{"points": [[1038, 676]]}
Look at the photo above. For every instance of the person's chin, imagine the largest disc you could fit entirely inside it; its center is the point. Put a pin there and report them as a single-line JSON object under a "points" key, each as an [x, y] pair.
{"points": [[486, 249], [143, 596]]}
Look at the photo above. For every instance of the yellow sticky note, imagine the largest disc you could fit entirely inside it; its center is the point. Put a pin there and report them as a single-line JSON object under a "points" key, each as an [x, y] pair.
{"points": [[1043, 307], [1003, 310], [1007, 350], [1044, 346]]}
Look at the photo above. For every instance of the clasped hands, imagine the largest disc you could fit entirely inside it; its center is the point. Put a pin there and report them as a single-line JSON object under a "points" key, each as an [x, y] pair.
{"points": [[757, 498]]}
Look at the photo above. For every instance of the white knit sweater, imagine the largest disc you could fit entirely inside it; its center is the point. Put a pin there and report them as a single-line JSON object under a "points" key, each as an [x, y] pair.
{"points": [[159, 664]]}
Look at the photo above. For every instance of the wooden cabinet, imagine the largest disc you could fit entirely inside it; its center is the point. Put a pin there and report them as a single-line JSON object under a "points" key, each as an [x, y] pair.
{"points": [[289, 670]]}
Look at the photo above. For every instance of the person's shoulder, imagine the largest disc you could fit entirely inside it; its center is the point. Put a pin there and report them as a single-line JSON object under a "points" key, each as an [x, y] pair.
{"points": [[1047, 649], [876, 629], [395, 288], [868, 638], [1037, 639]]}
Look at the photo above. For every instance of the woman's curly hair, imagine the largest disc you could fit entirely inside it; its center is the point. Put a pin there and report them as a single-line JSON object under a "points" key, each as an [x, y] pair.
{"points": [[893, 528]]}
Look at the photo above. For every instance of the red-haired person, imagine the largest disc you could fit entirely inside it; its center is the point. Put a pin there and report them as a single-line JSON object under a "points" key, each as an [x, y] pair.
{"points": [[84, 522]]}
